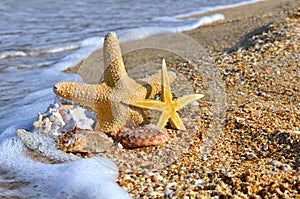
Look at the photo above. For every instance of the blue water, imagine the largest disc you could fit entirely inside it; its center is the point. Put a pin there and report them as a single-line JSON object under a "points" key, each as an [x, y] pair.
{"points": [[35, 27], [39, 38]]}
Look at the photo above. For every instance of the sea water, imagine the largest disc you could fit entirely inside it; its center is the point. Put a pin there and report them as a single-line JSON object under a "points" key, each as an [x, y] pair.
{"points": [[38, 39]]}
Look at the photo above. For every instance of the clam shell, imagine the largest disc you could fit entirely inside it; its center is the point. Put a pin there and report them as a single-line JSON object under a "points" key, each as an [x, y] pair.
{"points": [[148, 135]]}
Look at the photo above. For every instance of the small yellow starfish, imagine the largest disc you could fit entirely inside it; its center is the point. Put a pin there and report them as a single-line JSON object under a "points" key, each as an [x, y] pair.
{"points": [[107, 99], [167, 106]]}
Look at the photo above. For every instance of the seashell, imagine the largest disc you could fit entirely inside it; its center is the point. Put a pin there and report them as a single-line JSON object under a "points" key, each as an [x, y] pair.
{"points": [[52, 120], [83, 118], [69, 128], [85, 141], [60, 118], [147, 135], [44, 145]]}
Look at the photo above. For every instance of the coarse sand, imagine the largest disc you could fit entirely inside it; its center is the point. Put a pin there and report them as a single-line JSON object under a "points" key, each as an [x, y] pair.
{"points": [[256, 150]]}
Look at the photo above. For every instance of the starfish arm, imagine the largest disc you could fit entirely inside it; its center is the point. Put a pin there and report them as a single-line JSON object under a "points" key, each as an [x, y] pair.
{"points": [[113, 61], [143, 91], [85, 94], [153, 83], [162, 120], [176, 122], [166, 90], [138, 116], [156, 78], [183, 101], [148, 104]]}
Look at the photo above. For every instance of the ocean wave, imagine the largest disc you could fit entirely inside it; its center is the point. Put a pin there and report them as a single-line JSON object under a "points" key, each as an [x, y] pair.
{"points": [[200, 22], [39, 52], [188, 15], [25, 177], [141, 33], [215, 8], [12, 54], [37, 65]]}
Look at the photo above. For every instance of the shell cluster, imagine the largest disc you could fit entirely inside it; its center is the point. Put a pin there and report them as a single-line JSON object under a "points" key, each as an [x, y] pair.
{"points": [[69, 126], [62, 117], [57, 119]]}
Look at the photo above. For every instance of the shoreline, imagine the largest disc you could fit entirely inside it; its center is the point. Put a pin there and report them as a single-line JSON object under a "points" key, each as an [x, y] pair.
{"points": [[239, 22], [217, 37], [215, 10]]}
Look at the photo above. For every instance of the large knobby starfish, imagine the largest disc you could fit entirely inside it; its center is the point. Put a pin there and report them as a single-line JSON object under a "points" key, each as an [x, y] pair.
{"points": [[107, 99], [167, 105]]}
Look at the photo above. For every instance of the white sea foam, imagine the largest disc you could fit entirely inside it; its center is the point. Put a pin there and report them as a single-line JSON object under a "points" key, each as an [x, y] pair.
{"points": [[140, 33], [11, 54], [38, 52], [59, 49], [93, 41], [87, 46], [201, 21], [215, 8], [85, 178]]}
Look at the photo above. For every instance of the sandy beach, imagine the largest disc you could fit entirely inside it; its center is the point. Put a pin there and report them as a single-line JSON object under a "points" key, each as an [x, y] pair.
{"points": [[256, 153]]}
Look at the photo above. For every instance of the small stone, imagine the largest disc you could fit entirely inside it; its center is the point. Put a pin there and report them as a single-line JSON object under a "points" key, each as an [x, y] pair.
{"points": [[275, 163], [169, 193], [251, 156], [261, 93], [172, 184], [199, 182], [284, 168], [156, 178], [296, 132]]}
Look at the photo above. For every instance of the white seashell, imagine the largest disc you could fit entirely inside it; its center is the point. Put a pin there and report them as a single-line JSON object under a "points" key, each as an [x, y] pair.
{"points": [[81, 119]]}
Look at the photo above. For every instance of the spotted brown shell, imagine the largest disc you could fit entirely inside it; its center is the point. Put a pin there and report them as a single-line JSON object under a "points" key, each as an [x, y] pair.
{"points": [[148, 135]]}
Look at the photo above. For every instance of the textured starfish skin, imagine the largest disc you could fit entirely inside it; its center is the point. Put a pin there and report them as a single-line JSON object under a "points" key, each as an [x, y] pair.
{"points": [[107, 98], [167, 106]]}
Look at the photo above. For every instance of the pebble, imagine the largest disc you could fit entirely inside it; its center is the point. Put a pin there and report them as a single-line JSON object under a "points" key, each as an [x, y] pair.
{"points": [[169, 192], [275, 163], [199, 182]]}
